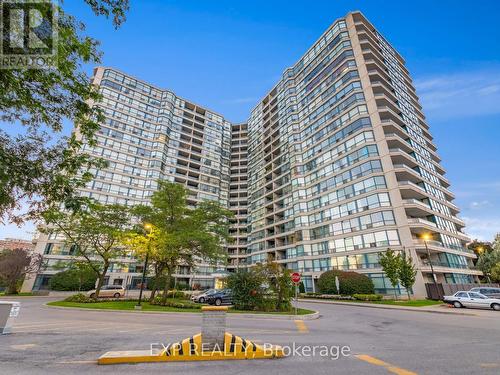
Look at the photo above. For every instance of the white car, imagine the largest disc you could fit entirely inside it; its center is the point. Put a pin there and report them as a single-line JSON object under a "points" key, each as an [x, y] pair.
{"points": [[472, 299]]}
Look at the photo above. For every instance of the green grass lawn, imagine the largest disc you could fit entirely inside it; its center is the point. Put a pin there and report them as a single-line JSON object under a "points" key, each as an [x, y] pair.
{"points": [[146, 306]]}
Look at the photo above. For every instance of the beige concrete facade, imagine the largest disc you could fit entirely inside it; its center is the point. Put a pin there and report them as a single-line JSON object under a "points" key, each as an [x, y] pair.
{"points": [[335, 164]]}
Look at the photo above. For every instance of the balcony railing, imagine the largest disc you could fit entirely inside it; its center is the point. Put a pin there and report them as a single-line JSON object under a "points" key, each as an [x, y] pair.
{"points": [[440, 244], [417, 202], [447, 265], [421, 221]]}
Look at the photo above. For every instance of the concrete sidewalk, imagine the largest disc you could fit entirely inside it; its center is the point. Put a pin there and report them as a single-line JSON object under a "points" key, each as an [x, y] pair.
{"points": [[437, 309]]}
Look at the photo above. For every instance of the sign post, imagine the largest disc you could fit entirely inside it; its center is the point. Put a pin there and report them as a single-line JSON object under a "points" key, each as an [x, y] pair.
{"points": [[296, 280]]}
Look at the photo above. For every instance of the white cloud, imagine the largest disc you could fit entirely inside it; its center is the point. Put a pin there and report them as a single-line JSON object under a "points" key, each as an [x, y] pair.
{"points": [[462, 94], [484, 229], [475, 205]]}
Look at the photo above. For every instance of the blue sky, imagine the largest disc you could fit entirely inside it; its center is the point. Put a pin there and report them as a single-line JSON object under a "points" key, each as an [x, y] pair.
{"points": [[226, 54]]}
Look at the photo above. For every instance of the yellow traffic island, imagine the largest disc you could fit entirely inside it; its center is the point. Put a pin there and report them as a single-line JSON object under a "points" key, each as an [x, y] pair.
{"points": [[213, 344]]}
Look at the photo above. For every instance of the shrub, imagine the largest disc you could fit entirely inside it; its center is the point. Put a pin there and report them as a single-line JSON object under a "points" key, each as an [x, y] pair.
{"points": [[182, 286], [159, 281], [350, 283], [73, 279], [367, 297], [302, 288], [177, 294], [247, 290], [80, 298], [179, 305]]}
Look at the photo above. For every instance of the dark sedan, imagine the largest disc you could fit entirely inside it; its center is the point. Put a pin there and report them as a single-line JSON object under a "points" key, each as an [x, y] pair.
{"points": [[222, 297]]}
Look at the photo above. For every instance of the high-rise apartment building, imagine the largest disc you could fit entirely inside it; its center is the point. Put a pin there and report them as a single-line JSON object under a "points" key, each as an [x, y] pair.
{"points": [[334, 165], [238, 197], [149, 134]]}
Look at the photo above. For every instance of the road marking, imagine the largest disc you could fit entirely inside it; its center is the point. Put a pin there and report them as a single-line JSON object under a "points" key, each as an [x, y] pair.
{"points": [[23, 346], [43, 324], [388, 366], [490, 365], [65, 326], [301, 326]]}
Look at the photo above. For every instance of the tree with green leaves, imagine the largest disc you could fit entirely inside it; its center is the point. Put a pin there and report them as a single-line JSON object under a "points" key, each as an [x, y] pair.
{"points": [[407, 272], [248, 289], [37, 166], [480, 247], [142, 243], [389, 261], [76, 275], [186, 236], [279, 283], [487, 261], [495, 273], [15, 265], [96, 230]]}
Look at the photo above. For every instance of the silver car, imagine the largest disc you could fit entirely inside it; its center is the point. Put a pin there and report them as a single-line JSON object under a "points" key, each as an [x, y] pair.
{"points": [[115, 291], [472, 299], [203, 297]]}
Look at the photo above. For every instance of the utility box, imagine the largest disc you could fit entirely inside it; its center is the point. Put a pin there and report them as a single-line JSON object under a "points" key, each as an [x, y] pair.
{"points": [[8, 312]]}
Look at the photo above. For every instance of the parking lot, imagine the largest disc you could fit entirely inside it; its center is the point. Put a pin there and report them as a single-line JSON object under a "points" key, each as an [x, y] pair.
{"points": [[57, 341]]}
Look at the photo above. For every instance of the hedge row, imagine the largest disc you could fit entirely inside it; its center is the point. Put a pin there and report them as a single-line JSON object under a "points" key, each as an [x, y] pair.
{"points": [[349, 283]]}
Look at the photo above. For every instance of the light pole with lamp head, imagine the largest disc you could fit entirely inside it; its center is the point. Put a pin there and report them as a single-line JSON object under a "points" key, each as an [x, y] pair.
{"points": [[148, 227], [426, 237]]}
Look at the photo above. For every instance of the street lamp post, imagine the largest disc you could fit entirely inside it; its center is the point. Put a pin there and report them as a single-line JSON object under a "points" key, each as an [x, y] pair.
{"points": [[426, 238], [150, 228]]}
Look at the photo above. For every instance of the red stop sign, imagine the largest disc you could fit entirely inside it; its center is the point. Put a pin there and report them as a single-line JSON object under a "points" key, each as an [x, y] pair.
{"points": [[296, 277]]}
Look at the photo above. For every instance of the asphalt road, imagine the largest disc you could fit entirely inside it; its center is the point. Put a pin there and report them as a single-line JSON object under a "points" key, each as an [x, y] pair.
{"points": [[374, 341]]}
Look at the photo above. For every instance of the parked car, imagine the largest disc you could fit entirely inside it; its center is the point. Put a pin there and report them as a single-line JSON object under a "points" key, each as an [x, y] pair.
{"points": [[221, 297], [472, 299], [115, 291], [202, 297], [487, 291]]}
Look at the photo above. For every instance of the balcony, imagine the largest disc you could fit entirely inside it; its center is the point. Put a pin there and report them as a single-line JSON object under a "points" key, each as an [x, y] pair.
{"points": [[447, 269], [413, 191], [421, 225], [416, 202], [416, 208], [436, 246]]}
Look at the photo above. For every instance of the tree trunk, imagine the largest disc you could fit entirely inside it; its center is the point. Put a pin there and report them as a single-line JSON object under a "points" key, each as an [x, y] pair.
{"points": [[102, 275], [166, 288], [153, 293], [408, 292], [12, 287], [158, 273]]}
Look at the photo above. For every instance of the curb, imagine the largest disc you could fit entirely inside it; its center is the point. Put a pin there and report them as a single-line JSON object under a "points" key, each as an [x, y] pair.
{"points": [[386, 307], [312, 316]]}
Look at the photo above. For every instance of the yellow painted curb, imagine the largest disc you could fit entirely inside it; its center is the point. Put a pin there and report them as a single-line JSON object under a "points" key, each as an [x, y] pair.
{"points": [[190, 349], [214, 308]]}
